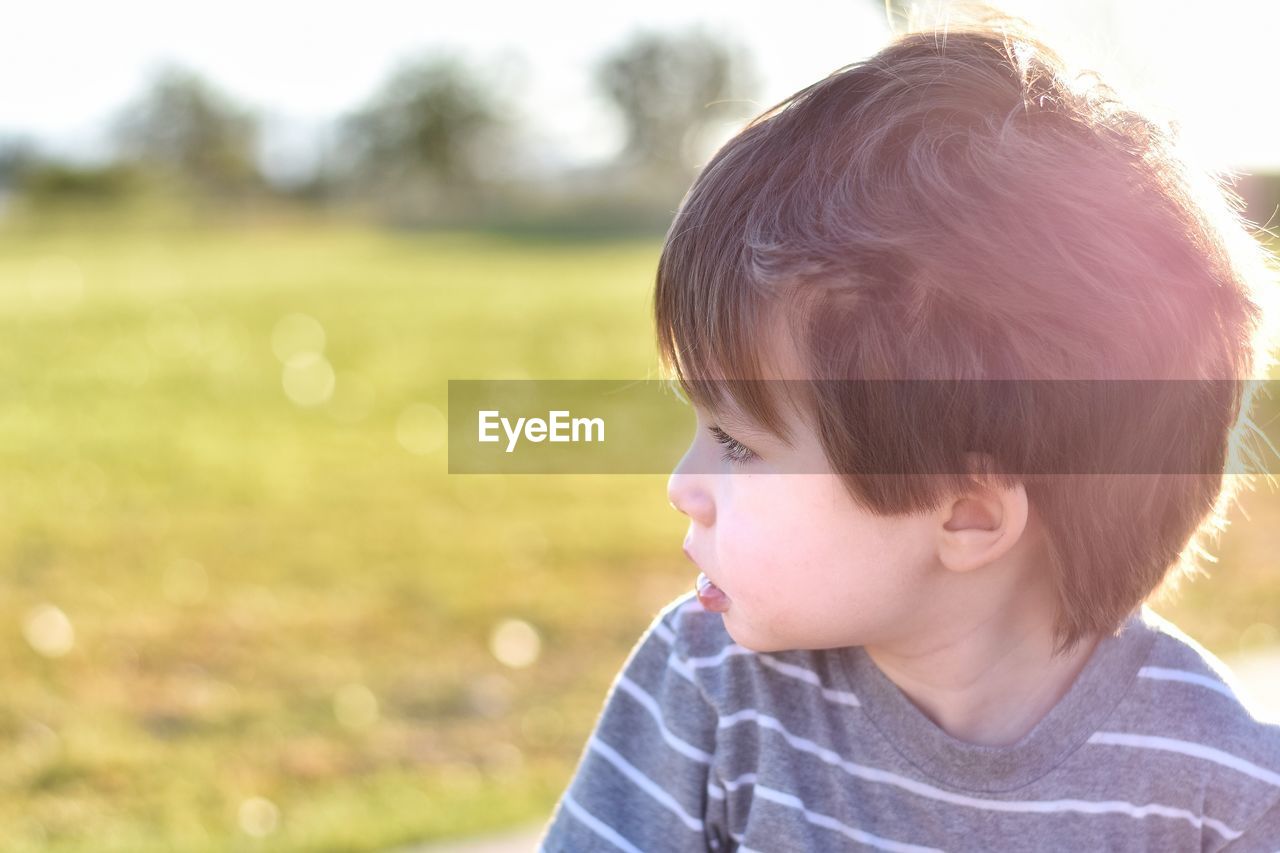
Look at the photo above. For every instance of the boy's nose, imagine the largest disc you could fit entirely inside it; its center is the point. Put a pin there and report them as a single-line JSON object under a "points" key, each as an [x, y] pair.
{"points": [[688, 493]]}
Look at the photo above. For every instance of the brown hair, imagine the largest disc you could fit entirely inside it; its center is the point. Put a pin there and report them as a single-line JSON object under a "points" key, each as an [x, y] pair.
{"points": [[958, 206]]}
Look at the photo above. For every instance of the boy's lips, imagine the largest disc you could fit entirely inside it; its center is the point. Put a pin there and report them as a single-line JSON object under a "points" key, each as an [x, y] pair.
{"points": [[710, 596]]}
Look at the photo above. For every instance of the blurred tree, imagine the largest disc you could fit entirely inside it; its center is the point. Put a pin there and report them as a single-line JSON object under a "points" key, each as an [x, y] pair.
{"points": [[51, 183], [433, 132], [18, 157], [184, 129], [41, 183], [671, 88]]}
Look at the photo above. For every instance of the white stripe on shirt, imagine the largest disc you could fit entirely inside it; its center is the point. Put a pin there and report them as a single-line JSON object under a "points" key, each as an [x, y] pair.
{"points": [[599, 827], [929, 791], [1166, 674], [643, 782], [686, 667], [646, 701], [1186, 747], [826, 822]]}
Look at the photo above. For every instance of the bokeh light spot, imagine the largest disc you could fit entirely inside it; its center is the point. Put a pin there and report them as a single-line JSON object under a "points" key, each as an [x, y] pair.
{"points": [[36, 745], [308, 379], [1259, 635], [515, 643], [259, 817], [48, 630]]}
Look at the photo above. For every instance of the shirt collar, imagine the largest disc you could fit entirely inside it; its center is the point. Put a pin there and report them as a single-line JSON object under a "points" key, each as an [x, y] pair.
{"points": [[1110, 670]]}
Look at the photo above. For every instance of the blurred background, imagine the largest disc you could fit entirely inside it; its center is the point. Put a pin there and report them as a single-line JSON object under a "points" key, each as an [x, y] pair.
{"points": [[243, 247]]}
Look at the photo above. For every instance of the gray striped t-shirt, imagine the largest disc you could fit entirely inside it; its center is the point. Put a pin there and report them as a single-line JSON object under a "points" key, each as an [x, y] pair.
{"points": [[705, 745]]}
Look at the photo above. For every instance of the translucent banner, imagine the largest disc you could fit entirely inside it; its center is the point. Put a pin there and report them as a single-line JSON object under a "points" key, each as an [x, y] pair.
{"points": [[864, 426]]}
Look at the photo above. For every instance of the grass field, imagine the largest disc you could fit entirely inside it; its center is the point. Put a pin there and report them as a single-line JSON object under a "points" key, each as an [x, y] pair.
{"points": [[245, 612]]}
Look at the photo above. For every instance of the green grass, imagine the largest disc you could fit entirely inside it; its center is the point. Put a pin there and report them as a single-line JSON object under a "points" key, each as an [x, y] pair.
{"points": [[232, 562]]}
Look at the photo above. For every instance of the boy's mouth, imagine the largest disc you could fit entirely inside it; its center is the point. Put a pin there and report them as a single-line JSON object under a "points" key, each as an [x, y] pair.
{"points": [[710, 596]]}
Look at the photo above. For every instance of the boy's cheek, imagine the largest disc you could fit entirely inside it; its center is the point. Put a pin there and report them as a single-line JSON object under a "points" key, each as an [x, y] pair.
{"points": [[732, 561], [766, 496], [751, 567]]}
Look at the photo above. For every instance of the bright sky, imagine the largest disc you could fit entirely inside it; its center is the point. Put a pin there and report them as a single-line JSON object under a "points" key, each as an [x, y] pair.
{"points": [[66, 66]]}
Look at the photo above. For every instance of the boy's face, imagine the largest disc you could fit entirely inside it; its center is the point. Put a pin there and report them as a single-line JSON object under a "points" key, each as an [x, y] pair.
{"points": [[801, 564]]}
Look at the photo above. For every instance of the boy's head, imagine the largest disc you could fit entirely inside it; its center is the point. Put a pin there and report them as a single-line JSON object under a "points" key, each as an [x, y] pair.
{"points": [[958, 206]]}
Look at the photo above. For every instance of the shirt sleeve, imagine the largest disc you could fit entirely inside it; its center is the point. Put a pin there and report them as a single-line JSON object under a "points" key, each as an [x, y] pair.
{"points": [[641, 782], [1262, 837]]}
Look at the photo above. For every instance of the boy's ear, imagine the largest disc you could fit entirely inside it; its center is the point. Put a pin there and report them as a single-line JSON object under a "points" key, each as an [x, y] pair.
{"points": [[982, 524]]}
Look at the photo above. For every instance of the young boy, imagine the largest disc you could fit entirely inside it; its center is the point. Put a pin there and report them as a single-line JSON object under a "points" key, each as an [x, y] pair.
{"points": [[938, 663]]}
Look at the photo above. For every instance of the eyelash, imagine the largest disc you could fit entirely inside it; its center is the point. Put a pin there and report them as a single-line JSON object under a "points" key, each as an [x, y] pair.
{"points": [[735, 452]]}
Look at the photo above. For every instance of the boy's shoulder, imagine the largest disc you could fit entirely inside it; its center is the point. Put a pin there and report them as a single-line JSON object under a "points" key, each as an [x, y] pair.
{"points": [[1189, 688], [1186, 709]]}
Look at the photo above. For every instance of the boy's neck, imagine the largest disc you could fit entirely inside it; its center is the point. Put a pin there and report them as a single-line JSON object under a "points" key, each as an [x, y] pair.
{"points": [[990, 677]]}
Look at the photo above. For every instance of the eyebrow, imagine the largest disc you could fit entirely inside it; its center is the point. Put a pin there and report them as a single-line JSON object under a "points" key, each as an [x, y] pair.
{"points": [[721, 412], [735, 422]]}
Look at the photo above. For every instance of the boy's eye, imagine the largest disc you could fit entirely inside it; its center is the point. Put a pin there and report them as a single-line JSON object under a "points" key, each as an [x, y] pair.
{"points": [[735, 452]]}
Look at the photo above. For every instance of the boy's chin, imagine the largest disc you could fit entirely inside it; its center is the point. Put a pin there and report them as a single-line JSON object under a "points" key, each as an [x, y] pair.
{"points": [[745, 635], [756, 641]]}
